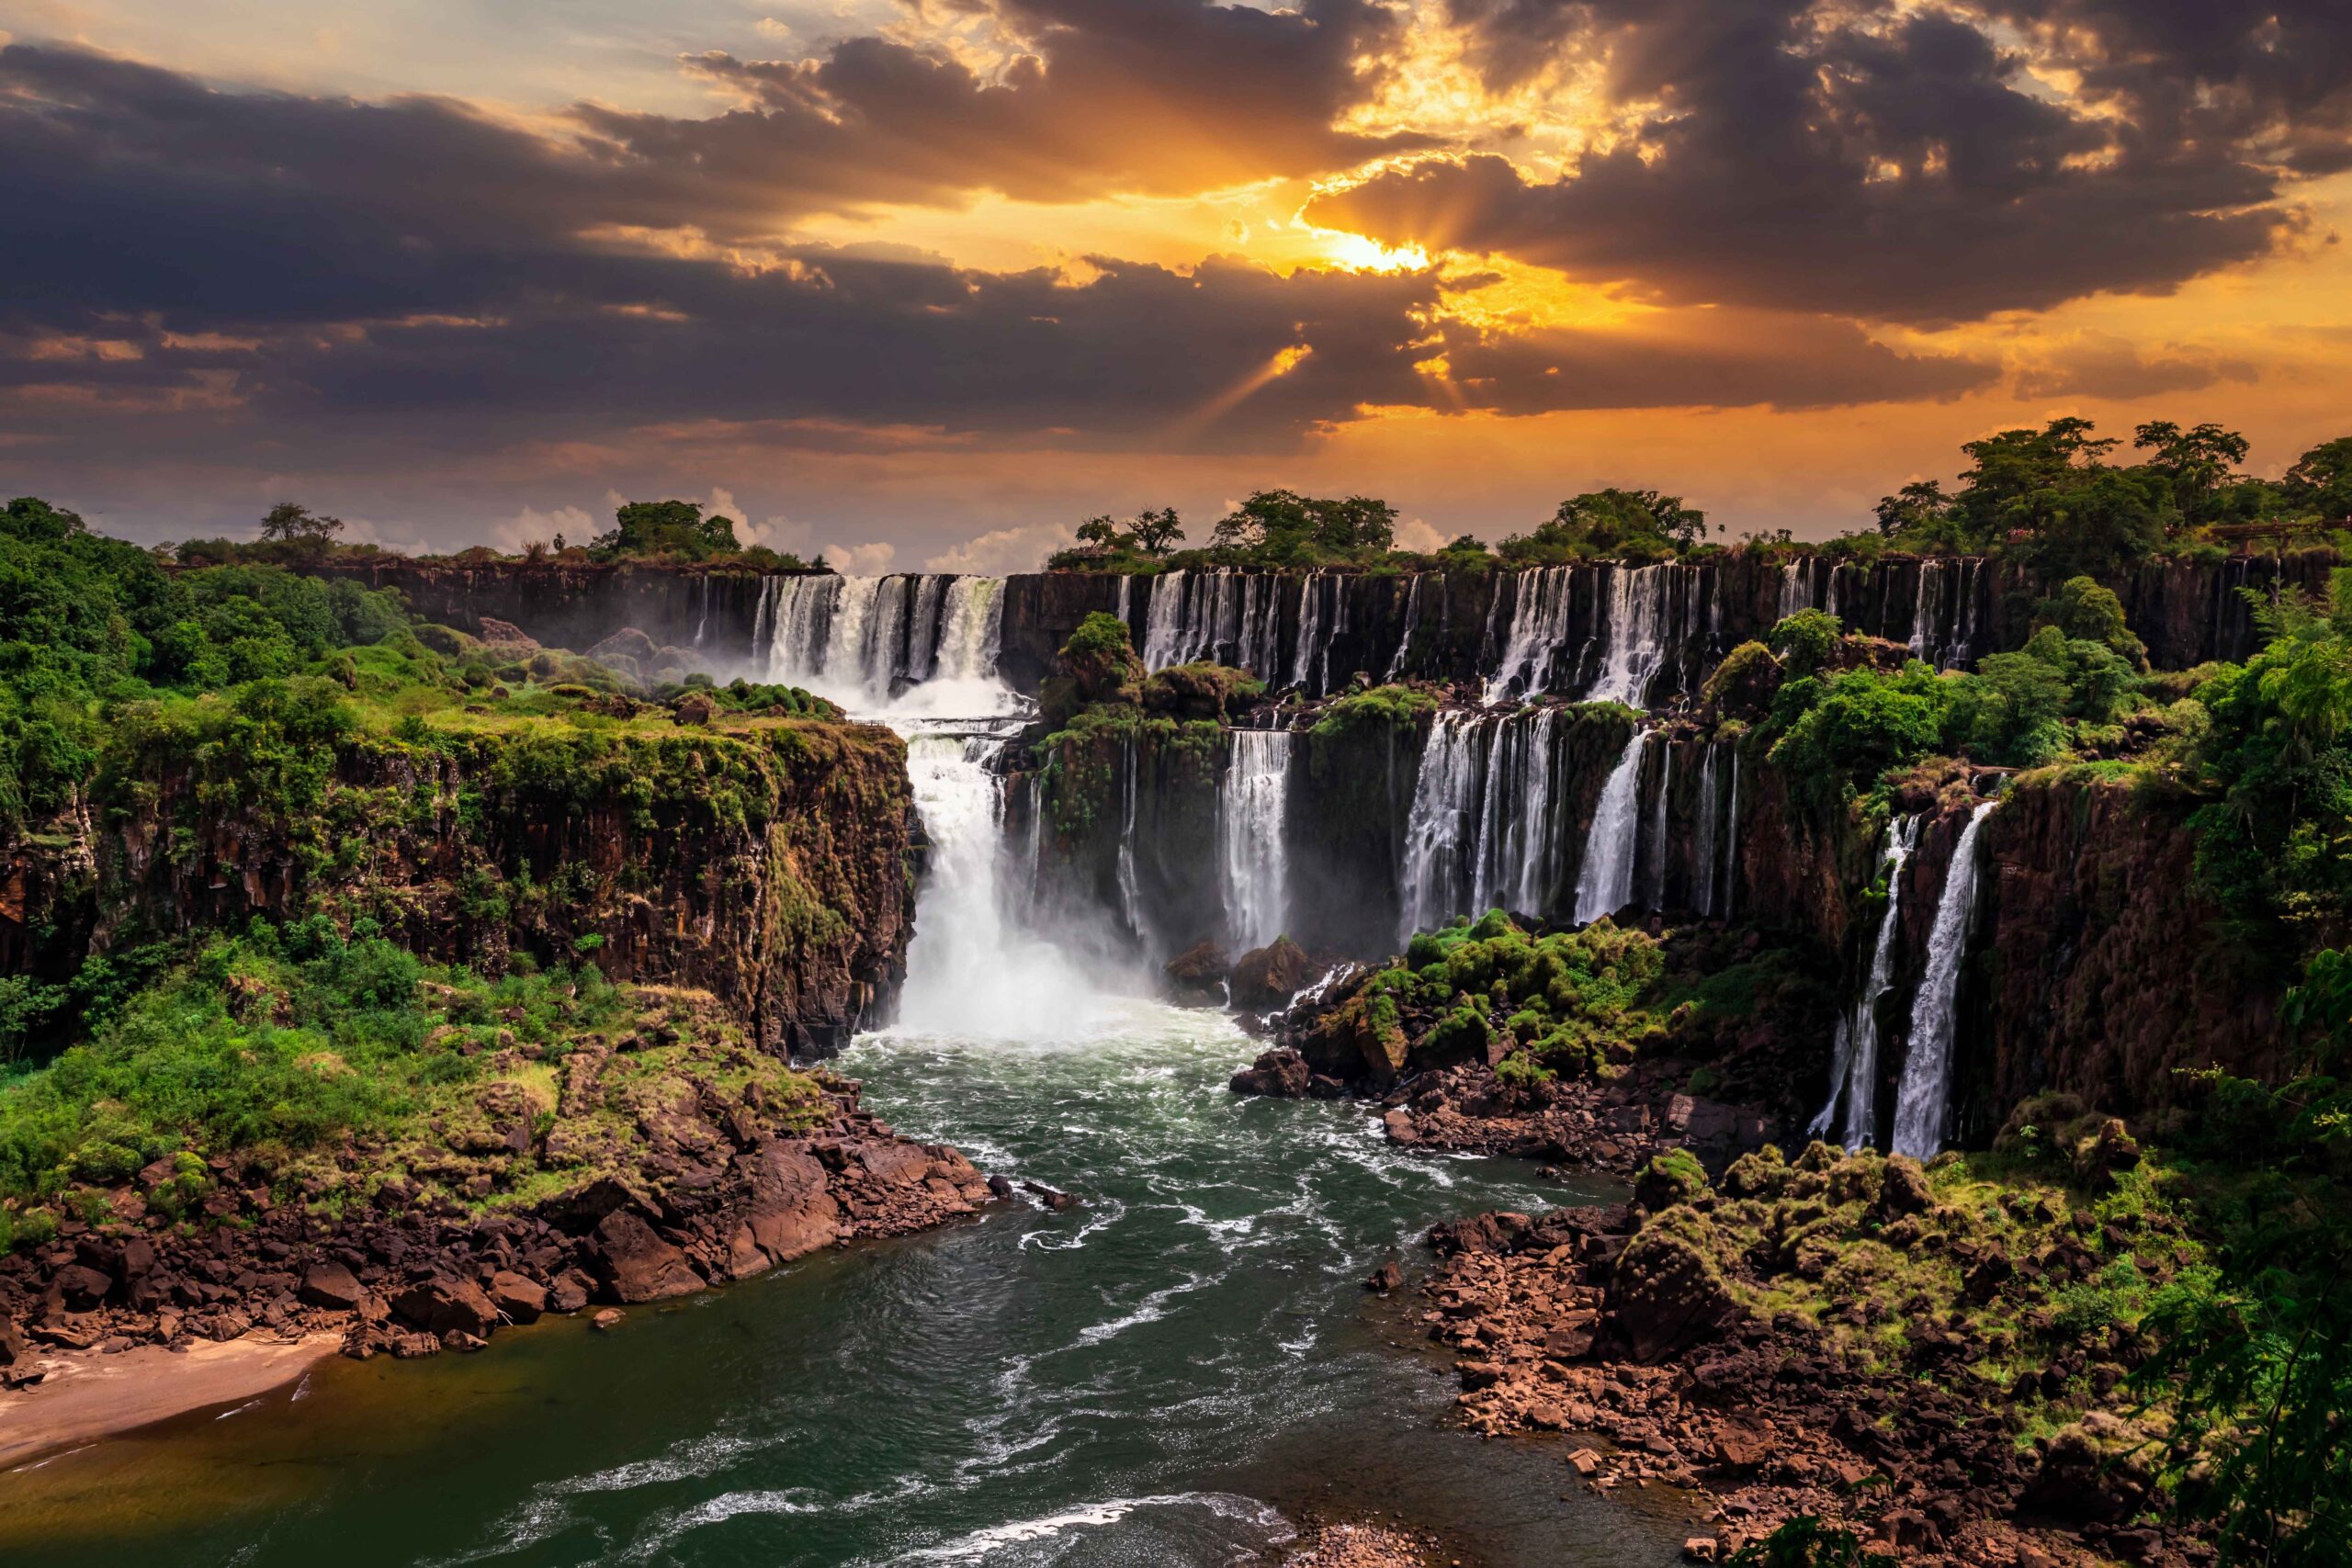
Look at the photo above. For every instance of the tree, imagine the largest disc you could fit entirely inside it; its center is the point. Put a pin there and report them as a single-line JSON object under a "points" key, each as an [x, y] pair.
{"points": [[2198, 463], [1287, 528], [2321, 481], [1606, 522], [1157, 533], [2097, 523], [1917, 504], [2084, 610], [2008, 467], [667, 527], [291, 522]]}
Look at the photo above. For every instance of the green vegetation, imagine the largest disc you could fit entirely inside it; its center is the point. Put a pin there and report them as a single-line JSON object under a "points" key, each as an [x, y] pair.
{"points": [[321, 1065], [1624, 524], [651, 532], [1844, 711], [1568, 1004]]}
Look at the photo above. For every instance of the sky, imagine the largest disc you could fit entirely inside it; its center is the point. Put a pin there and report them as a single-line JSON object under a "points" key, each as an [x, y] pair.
{"points": [[925, 283]]}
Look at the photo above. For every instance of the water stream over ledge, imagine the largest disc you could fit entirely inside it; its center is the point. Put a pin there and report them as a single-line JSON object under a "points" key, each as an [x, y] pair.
{"points": [[1160, 1376]]}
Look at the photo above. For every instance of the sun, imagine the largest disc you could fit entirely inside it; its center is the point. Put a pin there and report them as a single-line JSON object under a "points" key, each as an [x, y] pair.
{"points": [[1357, 254]]}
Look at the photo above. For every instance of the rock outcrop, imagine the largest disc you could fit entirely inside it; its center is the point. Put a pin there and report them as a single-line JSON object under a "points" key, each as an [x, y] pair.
{"points": [[724, 1192]]}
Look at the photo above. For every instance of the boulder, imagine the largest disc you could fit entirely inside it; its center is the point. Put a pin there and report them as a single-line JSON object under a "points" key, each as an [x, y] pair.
{"points": [[1903, 1190], [1497, 1230], [628, 643], [78, 1286], [903, 1164], [695, 707], [1281, 1073], [634, 1264], [1198, 974], [517, 1299], [792, 1212], [570, 1292], [1664, 1294], [331, 1285], [1269, 976], [442, 1304], [506, 637]]}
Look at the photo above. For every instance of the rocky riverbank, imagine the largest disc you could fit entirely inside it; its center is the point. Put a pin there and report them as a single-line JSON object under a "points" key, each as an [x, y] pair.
{"points": [[1937, 1360], [672, 1158]]}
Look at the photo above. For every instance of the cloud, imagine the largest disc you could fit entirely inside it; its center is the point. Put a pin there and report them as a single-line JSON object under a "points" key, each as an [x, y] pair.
{"points": [[1004, 550], [1414, 534], [1847, 159], [1093, 98], [860, 560], [1715, 358], [2098, 365]]}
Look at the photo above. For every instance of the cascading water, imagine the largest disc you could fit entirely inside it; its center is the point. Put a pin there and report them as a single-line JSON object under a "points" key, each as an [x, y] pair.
{"points": [[1658, 826], [1514, 865], [900, 646], [1253, 802], [1539, 625], [1853, 1075], [1731, 840], [1310, 608], [1405, 632], [1437, 826], [1636, 629], [1606, 883], [1164, 620], [1924, 1095], [1702, 853]]}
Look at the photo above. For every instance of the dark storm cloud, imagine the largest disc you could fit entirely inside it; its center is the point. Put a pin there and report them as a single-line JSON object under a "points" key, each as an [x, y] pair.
{"points": [[419, 261], [1720, 358], [1165, 96], [1846, 160]]}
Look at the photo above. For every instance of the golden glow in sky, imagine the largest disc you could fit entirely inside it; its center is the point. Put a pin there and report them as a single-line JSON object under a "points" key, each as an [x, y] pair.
{"points": [[906, 271]]}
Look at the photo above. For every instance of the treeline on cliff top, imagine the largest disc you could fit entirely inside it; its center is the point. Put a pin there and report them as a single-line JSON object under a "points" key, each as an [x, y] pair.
{"points": [[2060, 500], [654, 533]]}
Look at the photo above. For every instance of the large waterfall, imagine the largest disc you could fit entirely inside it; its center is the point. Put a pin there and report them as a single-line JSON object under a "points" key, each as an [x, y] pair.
{"points": [[1853, 1072], [1606, 883], [1252, 822], [1539, 632], [1483, 831], [1925, 1094], [865, 641], [1232, 617]]}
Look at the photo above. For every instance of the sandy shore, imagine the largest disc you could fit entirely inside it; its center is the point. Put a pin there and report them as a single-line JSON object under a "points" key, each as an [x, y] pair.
{"points": [[87, 1396]]}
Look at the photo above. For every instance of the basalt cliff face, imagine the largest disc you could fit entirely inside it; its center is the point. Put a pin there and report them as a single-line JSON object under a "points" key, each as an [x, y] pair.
{"points": [[768, 862], [1512, 632]]}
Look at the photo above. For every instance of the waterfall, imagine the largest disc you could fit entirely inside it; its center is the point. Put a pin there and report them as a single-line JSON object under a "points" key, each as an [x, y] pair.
{"points": [[1731, 839], [1853, 1076], [1163, 620], [1796, 591], [1539, 625], [868, 642], [702, 621], [1636, 628], [1924, 1095], [1260, 634], [1436, 828], [1702, 853], [1252, 819], [1310, 610], [1605, 884], [1657, 826], [970, 969], [1923, 621], [1130, 886], [1405, 634]]}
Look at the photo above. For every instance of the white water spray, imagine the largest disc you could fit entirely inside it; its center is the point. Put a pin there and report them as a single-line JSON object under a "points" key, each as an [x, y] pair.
{"points": [[1605, 884], [1252, 821], [1925, 1094], [1853, 1076]]}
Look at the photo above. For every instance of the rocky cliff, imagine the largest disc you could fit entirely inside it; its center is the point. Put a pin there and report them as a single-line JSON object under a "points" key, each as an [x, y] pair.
{"points": [[766, 860]]}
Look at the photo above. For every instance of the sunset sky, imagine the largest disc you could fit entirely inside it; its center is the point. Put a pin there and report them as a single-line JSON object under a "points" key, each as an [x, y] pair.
{"points": [[924, 283]]}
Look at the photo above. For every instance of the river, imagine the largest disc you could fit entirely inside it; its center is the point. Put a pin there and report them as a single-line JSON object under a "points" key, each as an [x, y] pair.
{"points": [[1166, 1375]]}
